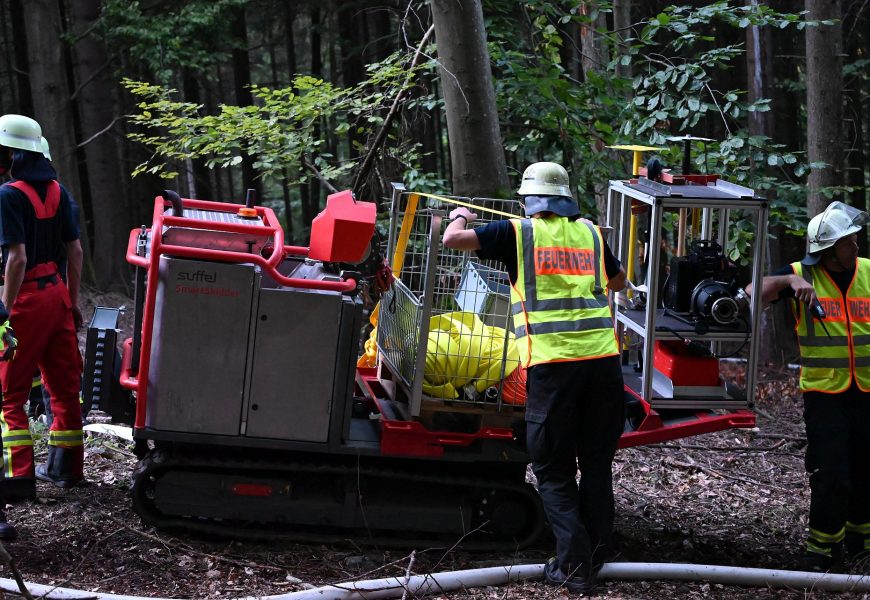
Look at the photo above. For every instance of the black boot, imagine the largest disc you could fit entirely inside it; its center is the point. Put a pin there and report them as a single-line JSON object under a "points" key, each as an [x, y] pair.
{"points": [[61, 467], [577, 583], [822, 563], [7, 531]]}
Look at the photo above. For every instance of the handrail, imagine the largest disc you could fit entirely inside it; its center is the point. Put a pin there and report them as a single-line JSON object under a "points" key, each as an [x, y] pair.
{"points": [[132, 257], [127, 379], [270, 266], [279, 250]]}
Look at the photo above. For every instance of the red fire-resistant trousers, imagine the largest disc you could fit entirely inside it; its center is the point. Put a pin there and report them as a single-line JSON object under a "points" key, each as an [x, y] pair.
{"points": [[43, 323]]}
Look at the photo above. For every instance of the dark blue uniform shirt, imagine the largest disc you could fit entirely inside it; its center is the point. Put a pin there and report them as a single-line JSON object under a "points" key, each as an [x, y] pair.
{"points": [[46, 243]]}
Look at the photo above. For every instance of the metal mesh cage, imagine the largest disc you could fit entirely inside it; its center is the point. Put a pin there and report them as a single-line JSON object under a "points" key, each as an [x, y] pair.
{"points": [[444, 330]]}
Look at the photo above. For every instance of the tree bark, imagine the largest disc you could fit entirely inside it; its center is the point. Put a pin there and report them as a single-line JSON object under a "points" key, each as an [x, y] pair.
{"points": [[351, 21], [824, 99], [99, 111], [856, 124], [594, 59], [594, 50], [199, 174], [311, 201], [476, 149], [242, 81], [776, 328], [622, 27], [52, 107], [22, 68], [44, 28]]}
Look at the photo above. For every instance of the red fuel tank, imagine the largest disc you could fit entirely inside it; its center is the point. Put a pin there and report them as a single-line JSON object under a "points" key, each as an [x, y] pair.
{"points": [[343, 230]]}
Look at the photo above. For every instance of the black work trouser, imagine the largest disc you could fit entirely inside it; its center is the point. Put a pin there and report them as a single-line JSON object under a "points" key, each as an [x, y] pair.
{"points": [[838, 460], [574, 416]]}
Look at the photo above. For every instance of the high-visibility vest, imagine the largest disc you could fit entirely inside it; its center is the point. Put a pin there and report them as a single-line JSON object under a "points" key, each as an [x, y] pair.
{"points": [[828, 363], [559, 305]]}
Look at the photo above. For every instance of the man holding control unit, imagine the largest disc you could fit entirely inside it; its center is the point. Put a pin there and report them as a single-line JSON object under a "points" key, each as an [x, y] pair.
{"points": [[830, 289]]}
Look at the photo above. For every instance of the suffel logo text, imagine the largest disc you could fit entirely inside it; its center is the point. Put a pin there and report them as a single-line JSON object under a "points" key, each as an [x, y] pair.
{"points": [[199, 276]]}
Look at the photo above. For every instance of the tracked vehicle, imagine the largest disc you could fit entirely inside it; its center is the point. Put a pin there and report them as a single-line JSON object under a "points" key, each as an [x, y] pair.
{"points": [[252, 418]]}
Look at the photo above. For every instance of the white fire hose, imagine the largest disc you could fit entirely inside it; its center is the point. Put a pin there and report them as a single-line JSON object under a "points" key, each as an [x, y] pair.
{"points": [[394, 587]]}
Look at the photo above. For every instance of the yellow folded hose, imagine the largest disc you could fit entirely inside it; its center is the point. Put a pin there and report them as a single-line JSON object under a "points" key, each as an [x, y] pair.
{"points": [[462, 350]]}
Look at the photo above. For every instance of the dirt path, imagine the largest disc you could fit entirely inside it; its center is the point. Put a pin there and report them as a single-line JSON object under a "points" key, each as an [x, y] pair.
{"points": [[731, 498]]}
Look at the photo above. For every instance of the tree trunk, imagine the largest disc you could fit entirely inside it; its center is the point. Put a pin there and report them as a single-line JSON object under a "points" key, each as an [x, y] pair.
{"points": [[198, 173], [98, 113], [382, 38], [242, 81], [45, 27], [22, 68], [824, 99], [857, 124], [350, 29], [476, 149], [622, 25], [776, 328], [594, 49], [594, 59]]}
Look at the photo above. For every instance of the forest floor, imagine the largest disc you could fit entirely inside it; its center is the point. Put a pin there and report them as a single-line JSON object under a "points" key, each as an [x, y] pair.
{"points": [[736, 498]]}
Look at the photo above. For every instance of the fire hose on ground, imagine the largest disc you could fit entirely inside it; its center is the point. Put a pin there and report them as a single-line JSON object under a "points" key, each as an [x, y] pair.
{"points": [[394, 587]]}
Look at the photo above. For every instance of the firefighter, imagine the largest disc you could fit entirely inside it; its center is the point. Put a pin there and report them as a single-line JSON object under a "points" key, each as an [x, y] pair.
{"points": [[38, 233], [835, 381], [559, 265]]}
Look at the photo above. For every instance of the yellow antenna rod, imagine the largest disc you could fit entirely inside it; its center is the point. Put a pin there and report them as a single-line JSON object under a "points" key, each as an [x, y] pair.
{"points": [[637, 155]]}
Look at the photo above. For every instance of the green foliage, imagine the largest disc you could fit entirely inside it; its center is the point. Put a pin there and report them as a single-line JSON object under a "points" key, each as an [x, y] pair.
{"points": [[549, 115], [546, 114], [190, 35], [675, 64], [277, 131]]}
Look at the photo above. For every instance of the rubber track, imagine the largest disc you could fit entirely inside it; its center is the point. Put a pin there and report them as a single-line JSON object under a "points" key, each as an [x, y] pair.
{"points": [[160, 461]]}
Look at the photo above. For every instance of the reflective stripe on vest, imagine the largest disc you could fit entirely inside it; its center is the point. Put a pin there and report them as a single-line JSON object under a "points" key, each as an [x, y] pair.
{"points": [[43, 209], [560, 310], [828, 363]]}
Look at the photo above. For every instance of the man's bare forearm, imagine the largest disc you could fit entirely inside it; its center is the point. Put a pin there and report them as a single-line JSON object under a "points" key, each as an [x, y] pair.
{"points": [[772, 285], [16, 265]]}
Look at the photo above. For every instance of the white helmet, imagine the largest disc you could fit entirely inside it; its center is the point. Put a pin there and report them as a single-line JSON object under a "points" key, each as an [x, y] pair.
{"points": [[836, 222], [46, 152], [545, 179], [23, 133]]}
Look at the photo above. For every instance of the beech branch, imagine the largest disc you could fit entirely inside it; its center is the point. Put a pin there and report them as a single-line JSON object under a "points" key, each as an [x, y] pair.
{"points": [[394, 110]]}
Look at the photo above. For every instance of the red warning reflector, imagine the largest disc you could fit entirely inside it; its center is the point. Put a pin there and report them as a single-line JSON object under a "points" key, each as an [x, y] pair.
{"points": [[252, 489]]}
